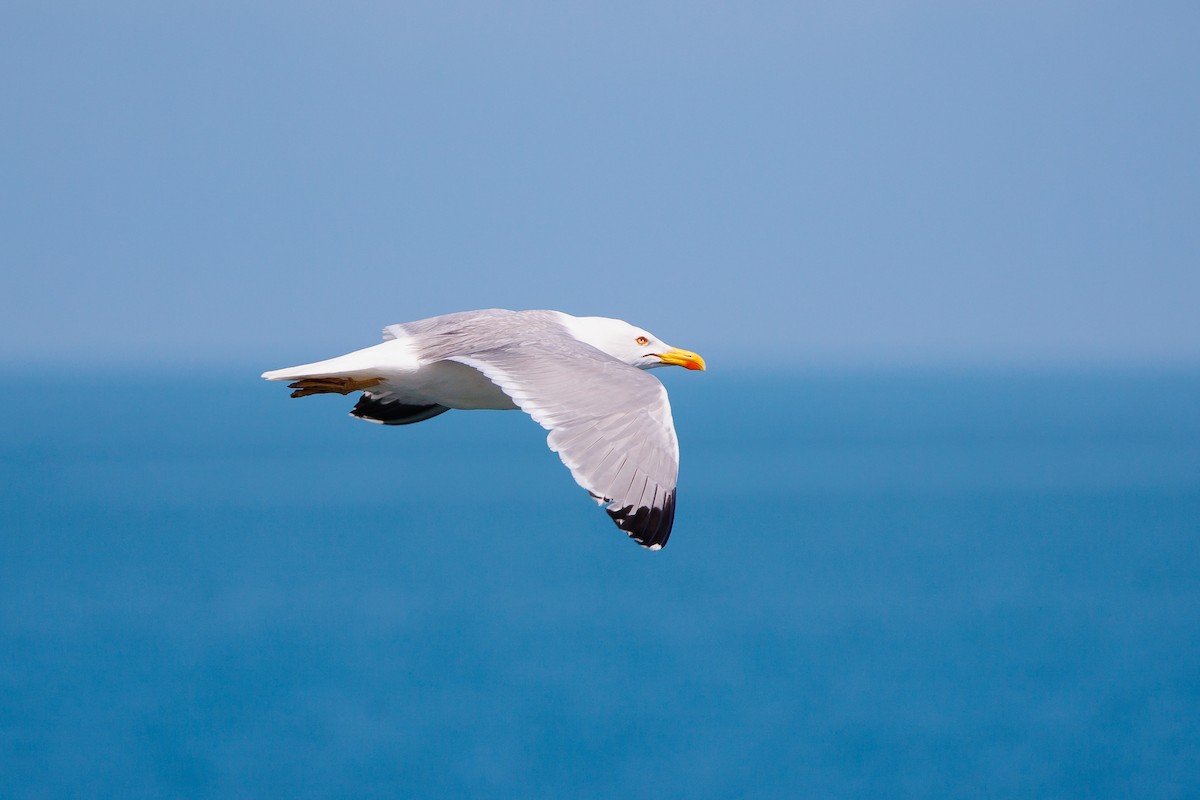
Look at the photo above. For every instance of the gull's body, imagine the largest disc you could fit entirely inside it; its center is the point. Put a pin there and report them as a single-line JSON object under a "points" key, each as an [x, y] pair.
{"points": [[581, 378]]}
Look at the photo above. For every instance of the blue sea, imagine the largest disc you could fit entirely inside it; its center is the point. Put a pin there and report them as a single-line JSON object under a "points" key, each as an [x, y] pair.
{"points": [[880, 584]]}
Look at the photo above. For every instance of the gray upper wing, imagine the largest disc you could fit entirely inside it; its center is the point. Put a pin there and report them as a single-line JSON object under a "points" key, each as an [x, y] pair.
{"points": [[461, 329], [609, 422]]}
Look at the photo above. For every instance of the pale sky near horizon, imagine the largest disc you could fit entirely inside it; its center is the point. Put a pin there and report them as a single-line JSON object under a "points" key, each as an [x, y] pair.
{"points": [[806, 183]]}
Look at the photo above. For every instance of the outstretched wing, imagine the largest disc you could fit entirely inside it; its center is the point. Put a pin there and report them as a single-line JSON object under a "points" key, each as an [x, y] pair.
{"points": [[609, 422]]}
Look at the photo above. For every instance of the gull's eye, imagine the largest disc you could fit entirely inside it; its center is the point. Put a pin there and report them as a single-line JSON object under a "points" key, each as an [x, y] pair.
{"points": [[642, 341]]}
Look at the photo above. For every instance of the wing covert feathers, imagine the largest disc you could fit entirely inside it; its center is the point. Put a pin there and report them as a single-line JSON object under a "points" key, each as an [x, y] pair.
{"points": [[610, 423]]}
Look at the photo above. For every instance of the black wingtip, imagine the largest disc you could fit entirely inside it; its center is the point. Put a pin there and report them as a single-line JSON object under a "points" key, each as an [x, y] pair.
{"points": [[648, 526], [393, 413]]}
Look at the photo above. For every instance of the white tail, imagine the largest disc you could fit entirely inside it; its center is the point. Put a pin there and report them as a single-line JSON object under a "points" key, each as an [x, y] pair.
{"points": [[369, 362]]}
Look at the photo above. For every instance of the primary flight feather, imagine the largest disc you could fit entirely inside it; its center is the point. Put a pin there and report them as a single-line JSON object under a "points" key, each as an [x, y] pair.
{"points": [[580, 378]]}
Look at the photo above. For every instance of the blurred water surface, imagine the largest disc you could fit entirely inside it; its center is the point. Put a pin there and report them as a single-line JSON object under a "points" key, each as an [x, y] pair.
{"points": [[879, 585]]}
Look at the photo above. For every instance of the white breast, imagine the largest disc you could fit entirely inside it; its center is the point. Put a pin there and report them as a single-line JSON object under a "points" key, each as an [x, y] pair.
{"points": [[447, 383]]}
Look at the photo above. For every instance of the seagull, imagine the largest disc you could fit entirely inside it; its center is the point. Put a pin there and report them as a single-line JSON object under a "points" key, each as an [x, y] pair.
{"points": [[581, 378]]}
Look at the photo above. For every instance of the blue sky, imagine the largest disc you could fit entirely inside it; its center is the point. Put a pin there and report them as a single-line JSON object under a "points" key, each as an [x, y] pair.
{"points": [[852, 182]]}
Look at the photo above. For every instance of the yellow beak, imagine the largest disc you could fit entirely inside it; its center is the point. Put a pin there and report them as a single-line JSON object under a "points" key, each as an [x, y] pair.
{"points": [[681, 358]]}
